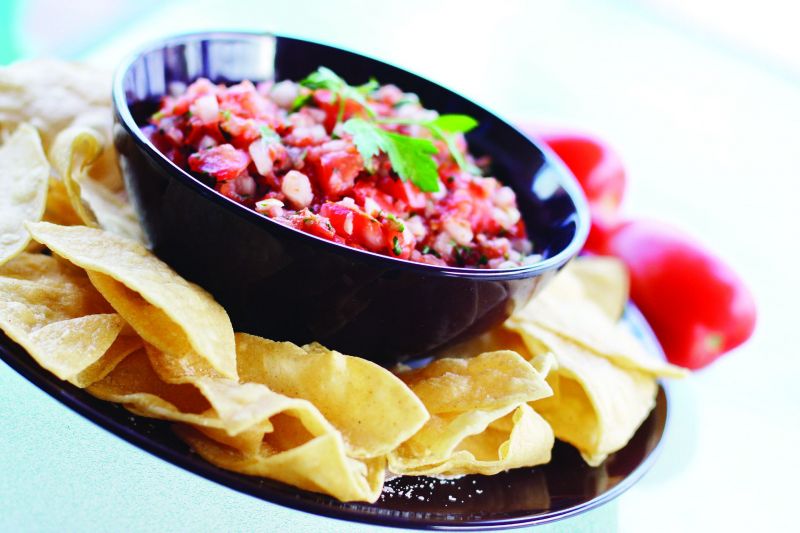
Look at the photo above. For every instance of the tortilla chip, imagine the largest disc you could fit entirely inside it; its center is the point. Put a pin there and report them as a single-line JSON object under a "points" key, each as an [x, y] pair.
{"points": [[24, 171], [563, 308], [74, 154], [318, 465], [52, 311], [167, 311], [480, 421], [489, 381], [604, 281], [52, 94], [59, 208], [598, 406], [517, 439], [247, 428], [374, 410], [498, 338], [123, 346]]}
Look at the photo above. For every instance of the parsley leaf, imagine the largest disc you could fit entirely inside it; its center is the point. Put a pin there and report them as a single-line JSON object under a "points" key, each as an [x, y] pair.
{"points": [[325, 78], [410, 157], [454, 123], [368, 139], [301, 100], [445, 128]]}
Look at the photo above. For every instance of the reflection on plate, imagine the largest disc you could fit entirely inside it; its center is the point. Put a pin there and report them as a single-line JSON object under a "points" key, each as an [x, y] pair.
{"points": [[526, 496]]}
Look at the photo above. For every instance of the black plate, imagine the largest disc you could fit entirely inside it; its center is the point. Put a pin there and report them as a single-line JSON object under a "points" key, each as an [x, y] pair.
{"points": [[527, 496]]}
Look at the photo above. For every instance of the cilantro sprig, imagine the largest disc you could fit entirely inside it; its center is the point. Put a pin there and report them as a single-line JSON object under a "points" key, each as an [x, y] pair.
{"points": [[446, 128], [410, 157], [325, 78]]}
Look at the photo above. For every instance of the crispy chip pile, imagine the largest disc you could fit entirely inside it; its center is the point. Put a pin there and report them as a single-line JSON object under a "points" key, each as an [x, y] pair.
{"points": [[94, 307], [605, 381], [52, 310], [70, 107], [176, 316], [24, 172], [480, 418]]}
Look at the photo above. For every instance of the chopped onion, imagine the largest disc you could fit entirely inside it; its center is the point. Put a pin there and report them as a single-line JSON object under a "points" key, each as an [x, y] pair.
{"points": [[258, 153], [206, 108], [297, 188]]}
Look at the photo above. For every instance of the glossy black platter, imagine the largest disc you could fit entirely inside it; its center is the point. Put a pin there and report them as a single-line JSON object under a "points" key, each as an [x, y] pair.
{"points": [[522, 497]]}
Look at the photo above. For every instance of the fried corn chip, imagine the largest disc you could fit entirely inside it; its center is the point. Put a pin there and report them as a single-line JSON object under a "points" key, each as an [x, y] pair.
{"points": [[24, 172], [597, 406], [52, 94], [489, 381], [123, 346], [75, 152], [247, 428], [480, 421], [604, 281], [517, 439], [373, 409], [52, 311], [498, 338], [563, 308], [318, 465], [59, 208], [208, 402], [175, 316]]}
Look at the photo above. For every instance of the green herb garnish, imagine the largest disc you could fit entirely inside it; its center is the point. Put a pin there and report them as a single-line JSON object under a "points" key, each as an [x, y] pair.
{"points": [[399, 226], [428, 250], [325, 78], [396, 246], [446, 127], [301, 100], [411, 157], [225, 114]]}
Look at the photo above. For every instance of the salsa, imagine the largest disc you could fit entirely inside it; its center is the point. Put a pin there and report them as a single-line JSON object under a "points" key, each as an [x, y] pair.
{"points": [[368, 167]]}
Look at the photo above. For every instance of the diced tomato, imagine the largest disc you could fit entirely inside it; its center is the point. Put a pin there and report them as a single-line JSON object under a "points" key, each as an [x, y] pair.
{"points": [[364, 190], [368, 232], [404, 191], [312, 223], [341, 217], [355, 225], [399, 242], [181, 104], [242, 131], [243, 99], [224, 162], [328, 102], [336, 171]]}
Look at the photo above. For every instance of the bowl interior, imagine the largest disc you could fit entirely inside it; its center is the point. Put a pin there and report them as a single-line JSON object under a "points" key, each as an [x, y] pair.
{"points": [[550, 201]]}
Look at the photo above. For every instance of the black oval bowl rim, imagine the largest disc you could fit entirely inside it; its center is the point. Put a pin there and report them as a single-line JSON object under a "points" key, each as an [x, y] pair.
{"points": [[566, 180], [278, 493]]}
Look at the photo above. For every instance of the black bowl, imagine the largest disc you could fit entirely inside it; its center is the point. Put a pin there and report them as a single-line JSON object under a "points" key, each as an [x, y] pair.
{"points": [[284, 284]]}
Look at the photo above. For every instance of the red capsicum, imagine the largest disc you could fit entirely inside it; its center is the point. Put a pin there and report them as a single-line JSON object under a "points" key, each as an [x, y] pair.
{"points": [[697, 305]]}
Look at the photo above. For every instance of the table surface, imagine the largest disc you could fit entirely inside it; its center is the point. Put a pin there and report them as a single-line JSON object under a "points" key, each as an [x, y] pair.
{"points": [[710, 140]]}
